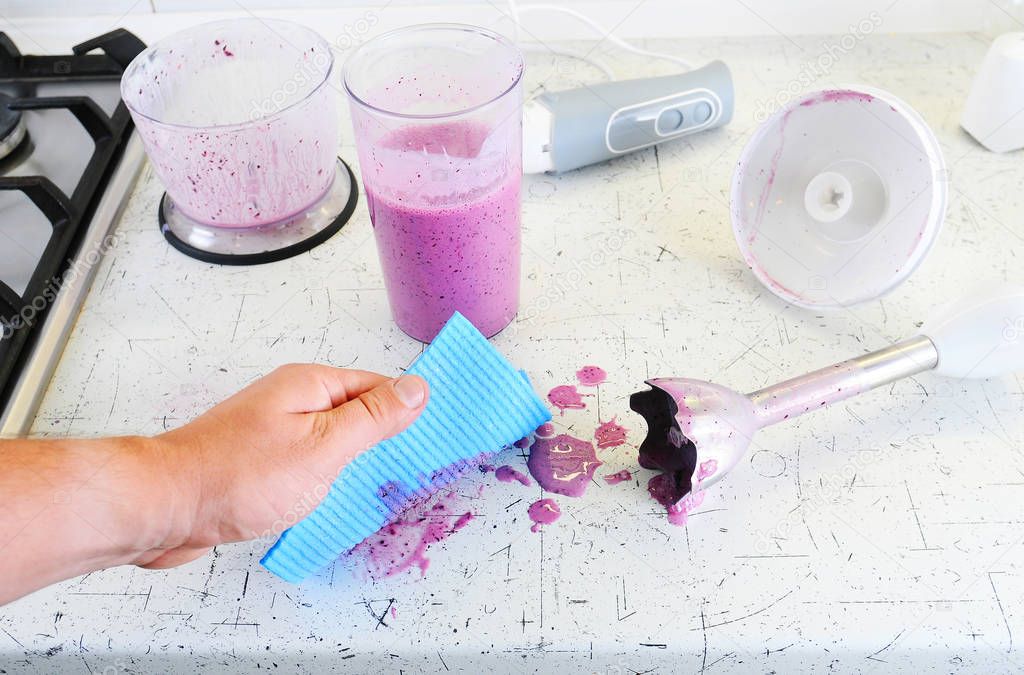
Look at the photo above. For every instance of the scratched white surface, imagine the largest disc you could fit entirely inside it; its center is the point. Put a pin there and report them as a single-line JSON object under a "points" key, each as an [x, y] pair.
{"points": [[883, 533]]}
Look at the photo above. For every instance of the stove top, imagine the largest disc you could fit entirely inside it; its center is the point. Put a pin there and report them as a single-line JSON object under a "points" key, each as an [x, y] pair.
{"points": [[67, 162]]}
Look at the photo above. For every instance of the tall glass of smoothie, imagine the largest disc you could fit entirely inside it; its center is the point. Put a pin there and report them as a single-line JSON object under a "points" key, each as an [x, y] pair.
{"points": [[438, 127]]}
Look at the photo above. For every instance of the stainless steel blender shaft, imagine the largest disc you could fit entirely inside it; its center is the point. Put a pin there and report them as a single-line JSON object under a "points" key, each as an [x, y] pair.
{"points": [[845, 379]]}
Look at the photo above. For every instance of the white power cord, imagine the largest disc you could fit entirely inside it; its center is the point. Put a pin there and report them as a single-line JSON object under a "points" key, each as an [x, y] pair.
{"points": [[515, 10]]}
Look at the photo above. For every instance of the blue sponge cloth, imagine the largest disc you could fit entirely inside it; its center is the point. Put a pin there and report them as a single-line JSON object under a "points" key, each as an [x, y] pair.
{"points": [[478, 404]]}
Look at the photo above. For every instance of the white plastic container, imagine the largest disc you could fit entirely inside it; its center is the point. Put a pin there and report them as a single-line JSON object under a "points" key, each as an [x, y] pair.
{"points": [[992, 113], [838, 197]]}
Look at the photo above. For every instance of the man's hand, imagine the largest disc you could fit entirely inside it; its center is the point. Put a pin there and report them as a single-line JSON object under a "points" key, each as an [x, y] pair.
{"points": [[251, 466]]}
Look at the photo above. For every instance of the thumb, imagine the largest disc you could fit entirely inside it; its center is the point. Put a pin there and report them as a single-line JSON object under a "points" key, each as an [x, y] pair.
{"points": [[375, 415]]}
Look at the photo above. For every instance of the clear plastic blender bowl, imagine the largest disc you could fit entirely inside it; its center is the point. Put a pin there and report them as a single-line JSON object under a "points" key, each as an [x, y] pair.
{"points": [[240, 122]]}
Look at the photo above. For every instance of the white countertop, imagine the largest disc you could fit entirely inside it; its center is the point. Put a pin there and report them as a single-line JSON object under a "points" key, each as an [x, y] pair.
{"points": [[882, 533]]}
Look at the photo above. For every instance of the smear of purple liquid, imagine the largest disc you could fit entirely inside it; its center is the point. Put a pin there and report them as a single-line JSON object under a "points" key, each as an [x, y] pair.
{"points": [[773, 168], [506, 474], [706, 468], [591, 376], [543, 512], [680, 512], [837, 95], [620, 477], [565, 397], [610, 434], [403, 544], [828, 96], [545, 430], [563, 464]]}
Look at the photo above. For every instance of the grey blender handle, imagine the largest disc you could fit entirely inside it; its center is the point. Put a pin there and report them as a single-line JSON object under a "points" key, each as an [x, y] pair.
{"points": [[601, 121]]}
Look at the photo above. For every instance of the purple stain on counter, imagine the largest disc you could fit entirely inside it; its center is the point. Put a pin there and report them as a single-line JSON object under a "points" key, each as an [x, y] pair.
{"points": [[543, 512], [591, 376], [545, 430], [563, 464], [565, 397], [462, 521], [620, 477], [403, 544], [610, 434], [680, 512], [506, 474]]}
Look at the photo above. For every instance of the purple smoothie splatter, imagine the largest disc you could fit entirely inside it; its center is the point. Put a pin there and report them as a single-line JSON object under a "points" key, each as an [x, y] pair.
{"points": [[506, 474], [403, 544], [680, 512], [546, 430], [620, 477], [543, 512], [565, 397], [591, 376], [665, 491], [610, 434], [563, 464]]}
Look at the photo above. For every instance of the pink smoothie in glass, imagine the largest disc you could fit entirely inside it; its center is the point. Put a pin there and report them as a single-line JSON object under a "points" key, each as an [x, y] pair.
{"points": [[448, 242]]}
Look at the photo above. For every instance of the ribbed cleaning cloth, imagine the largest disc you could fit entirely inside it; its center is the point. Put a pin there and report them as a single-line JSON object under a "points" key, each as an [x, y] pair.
{"points": [[479, 403]]}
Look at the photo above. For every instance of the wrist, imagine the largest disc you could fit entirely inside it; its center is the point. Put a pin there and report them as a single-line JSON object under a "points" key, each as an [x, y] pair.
{"points": [[150, 500]]}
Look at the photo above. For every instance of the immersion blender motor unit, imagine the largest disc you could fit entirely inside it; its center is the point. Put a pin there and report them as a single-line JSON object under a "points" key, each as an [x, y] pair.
{"points": [[568, 129]]}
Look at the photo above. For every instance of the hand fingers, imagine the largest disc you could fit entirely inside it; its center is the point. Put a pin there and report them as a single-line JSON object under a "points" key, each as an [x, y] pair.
{"points": [[371, 417], [309, 387]]}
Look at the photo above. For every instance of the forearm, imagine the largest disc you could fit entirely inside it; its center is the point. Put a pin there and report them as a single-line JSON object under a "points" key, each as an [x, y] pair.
{"points": [[237, 472], [74, 506]]}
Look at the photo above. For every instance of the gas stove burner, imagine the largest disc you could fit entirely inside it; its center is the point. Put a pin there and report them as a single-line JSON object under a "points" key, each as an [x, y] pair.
{"points": [[12, 127], [67, 146], [266, 243]]}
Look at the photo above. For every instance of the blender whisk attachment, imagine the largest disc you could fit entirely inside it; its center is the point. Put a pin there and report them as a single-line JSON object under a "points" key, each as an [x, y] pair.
{"points": [[698, 431]]}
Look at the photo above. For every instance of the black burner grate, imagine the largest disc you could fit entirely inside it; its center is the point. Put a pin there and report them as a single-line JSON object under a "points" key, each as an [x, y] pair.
{"points": [[69, 215]]}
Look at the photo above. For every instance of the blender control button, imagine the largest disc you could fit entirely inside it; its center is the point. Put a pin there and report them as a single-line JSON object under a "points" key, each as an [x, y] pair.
{"points": [[669, 120], [701, 112]]}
